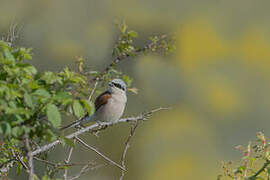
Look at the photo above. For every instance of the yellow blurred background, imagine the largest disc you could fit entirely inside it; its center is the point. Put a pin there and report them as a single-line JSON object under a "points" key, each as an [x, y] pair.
{"points": [[217, 81]]}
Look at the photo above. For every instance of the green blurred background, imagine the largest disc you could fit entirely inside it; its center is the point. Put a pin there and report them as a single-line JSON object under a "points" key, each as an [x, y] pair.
{"points": [[217, 81]]}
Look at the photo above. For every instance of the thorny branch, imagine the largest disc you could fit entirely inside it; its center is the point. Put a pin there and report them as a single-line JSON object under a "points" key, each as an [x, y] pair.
{"points": [[127, 145], [99, 153], [141, 117]]}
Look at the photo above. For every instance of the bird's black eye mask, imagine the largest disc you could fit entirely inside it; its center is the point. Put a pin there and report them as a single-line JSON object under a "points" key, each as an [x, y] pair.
{"points": [[119, 86]]}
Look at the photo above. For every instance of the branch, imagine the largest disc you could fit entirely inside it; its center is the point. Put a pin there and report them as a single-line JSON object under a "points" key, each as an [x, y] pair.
{"points": [[99, 153], [67, 161], [29, 157], [141, 117], [84, 170], [4, 167], [253, 177], [59, 165], [20, 159], [93, 90], [127, 145], [12, 34], [135, 52]]}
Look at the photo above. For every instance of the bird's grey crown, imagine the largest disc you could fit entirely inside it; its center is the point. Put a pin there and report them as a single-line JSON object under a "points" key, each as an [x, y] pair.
{"points": [[119, 83]]}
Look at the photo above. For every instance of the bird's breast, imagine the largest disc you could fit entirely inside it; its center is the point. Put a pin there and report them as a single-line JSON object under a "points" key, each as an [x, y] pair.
{"points": [[113, 110]]}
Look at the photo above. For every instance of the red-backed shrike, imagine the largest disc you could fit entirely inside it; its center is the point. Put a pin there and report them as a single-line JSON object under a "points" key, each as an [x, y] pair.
{"points": [[109, 106]]}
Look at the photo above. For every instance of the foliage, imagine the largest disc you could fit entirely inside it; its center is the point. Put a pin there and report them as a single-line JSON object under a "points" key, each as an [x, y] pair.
{"points": [[33, 103], [254, 164]]}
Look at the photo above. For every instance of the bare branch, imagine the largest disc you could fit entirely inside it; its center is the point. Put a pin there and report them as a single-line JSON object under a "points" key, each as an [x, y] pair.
{"points": [[141, 117], [99, 153], [93, 90], [127, 145], [67, 161], [12, 34], [84, 170], [58, 164]]}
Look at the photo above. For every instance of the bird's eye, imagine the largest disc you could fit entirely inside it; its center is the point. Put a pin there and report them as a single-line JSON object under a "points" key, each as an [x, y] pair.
{"points": [[118, 86]]}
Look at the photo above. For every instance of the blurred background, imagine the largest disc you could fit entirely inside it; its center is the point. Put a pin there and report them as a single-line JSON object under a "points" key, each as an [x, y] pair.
{"points": [[217, 81]]}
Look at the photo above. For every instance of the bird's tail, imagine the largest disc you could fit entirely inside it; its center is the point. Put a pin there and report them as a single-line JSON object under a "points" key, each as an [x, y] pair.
{"points": [[80, 121]]}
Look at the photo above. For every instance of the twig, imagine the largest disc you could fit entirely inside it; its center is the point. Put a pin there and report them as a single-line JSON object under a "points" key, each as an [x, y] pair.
{"points": [[127, 145], [67, 161], [141, 117], [93, 90], [253, 177], [29, 157], [99, 153], [12, 34], [4, 167], [126, 55], [84, 170], [46, 162], [59, 165], [20, 159]]}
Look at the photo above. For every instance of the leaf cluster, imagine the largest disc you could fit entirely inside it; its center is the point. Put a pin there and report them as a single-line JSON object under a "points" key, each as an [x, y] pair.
{"points": [[254, 164], [32, 102]]}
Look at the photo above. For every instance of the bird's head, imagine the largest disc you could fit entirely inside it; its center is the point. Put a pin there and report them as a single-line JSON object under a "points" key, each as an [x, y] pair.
{"points": [[117, 85]]}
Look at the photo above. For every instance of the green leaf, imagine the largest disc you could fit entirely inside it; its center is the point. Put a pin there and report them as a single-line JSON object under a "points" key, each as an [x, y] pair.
{"points": [[268, 171], [5, 128], [19, 169], [42, 93], [31, 70], [28, 100], [53, 115], [133, 34], [50, 136], [78, 109], [89, 106], [49, 77], [8, 55], [62, 96], [68, 142], [259, 178], [16, 131], [127, 80]]}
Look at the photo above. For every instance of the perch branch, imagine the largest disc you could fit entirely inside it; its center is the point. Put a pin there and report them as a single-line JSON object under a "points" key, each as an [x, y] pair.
{"points": [[141, 117]]}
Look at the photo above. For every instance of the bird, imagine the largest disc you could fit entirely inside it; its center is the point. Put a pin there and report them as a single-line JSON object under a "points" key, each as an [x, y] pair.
{"points": [[109, 105]]}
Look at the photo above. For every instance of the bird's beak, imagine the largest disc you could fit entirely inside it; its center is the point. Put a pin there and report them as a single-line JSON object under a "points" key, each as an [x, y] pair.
{"points": [[110, 84]]}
